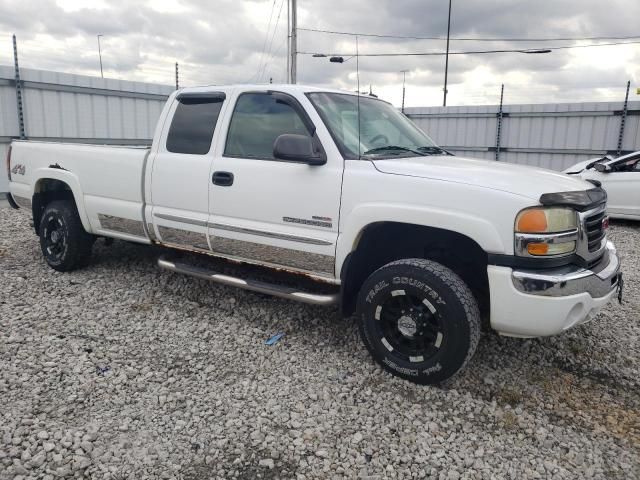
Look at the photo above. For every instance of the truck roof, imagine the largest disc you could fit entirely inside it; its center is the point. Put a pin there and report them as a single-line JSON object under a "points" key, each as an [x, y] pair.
{"points": [[283, 87]]}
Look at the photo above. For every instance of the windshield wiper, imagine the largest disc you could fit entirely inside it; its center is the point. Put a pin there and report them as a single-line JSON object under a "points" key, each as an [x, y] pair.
{"points": [[434, 150], [393, 147]]}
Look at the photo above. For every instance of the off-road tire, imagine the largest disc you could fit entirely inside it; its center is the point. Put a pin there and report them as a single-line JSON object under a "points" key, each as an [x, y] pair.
{"points": [[72, 250], [442, 307]]}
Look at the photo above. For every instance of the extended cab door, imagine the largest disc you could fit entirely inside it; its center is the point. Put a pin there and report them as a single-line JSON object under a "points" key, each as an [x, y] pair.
{"points": [[269, 211], [179, 197]]}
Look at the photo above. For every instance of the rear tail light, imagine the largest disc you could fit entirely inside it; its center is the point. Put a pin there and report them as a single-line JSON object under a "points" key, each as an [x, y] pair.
{"points": [[9, 163]]}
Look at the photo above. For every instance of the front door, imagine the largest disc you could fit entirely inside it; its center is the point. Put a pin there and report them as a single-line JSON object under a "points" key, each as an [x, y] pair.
{"points": [[180, 172], [269, 211]]}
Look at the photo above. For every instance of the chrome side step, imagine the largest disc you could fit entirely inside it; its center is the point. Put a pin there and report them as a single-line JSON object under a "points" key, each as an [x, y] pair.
{"points": [[253, 285]]}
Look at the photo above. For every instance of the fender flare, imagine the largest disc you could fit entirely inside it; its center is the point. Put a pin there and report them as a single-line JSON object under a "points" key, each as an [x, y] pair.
{"points": [[480, 230], [72, 182]]}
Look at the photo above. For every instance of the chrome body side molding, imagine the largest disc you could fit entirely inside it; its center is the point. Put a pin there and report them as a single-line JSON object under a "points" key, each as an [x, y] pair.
{"points": [[264, 233], [284, 257], [122, 225], [313, 264], [249, 231], [181, 237], [175, 218]]}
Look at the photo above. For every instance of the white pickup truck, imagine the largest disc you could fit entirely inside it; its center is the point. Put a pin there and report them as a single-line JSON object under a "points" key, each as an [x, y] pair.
{"points": [[344, 190]]}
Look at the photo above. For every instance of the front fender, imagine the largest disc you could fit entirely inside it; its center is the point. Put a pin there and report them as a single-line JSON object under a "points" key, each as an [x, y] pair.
{"points": [[482, 231]]}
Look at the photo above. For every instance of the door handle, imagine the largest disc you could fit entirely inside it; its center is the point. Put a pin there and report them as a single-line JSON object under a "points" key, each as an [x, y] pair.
{"points": [[224, 179]]}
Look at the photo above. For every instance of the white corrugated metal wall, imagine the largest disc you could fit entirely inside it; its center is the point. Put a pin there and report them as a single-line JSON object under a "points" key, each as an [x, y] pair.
{"points": [[76, 108], [552, 136]]}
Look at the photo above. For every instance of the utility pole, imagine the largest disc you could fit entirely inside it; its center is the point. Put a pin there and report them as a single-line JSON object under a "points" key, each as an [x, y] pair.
{"points": [[404, 76], [623, 120], [500, 115], [446, 62], [288, 39], [16, 67], [177, 82], [294, 41], [100, 55]]}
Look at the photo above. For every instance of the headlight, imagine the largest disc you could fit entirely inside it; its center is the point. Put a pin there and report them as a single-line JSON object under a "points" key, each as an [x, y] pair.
{"points": [[543, 231]]}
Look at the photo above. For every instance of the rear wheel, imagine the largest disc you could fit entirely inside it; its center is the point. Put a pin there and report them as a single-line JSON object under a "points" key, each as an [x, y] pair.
{"points": [[64, 242], [419, 320]]}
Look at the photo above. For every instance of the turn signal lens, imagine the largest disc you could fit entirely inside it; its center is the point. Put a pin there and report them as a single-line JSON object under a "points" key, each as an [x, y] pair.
{"points": [[546, 220], [538, 248], [551, 248]]}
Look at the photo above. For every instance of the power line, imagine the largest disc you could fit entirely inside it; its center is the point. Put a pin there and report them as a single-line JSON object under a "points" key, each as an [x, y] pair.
{"points": [[473, 52], [471, 39], [269, 52], [266, 37], [276, 52]]}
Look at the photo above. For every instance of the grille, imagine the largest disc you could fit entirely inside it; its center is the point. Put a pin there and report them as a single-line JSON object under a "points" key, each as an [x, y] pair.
{"points": [[594, 230]]}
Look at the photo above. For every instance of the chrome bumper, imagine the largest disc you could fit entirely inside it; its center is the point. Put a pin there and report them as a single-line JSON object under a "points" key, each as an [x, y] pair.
{"points": [[571, 279]]}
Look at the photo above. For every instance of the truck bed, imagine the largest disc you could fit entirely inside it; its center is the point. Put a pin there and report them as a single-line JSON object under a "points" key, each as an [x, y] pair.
{"points": [[108, 177]]}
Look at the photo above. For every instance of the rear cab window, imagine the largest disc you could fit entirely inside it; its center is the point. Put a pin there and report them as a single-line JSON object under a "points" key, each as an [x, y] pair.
{"points": [[193, 123]]}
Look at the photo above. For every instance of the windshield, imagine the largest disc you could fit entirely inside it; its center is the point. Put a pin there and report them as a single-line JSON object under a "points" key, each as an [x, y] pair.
{"points": [[624, 161], [384, 131]]}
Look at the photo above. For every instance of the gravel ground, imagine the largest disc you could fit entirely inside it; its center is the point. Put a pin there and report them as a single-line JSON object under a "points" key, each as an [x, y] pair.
{"points": [[122, 370]]}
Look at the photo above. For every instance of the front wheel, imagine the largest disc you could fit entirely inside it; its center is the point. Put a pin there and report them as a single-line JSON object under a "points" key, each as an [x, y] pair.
{"points": [[419, 320], [64, 242]]}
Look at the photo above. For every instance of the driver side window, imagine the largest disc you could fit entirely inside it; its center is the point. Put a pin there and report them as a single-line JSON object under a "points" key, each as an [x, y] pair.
{"points": [[258, 119]]}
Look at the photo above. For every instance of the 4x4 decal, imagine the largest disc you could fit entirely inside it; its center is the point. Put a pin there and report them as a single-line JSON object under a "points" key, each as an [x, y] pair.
{"points": [[18, 169]]}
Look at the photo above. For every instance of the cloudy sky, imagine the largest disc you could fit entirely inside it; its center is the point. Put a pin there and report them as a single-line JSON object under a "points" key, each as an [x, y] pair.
{"points": [[238, 41]]}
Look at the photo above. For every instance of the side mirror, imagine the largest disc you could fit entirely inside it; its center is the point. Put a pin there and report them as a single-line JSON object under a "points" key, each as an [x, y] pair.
{"points": [[602, 167], [297, 148]]}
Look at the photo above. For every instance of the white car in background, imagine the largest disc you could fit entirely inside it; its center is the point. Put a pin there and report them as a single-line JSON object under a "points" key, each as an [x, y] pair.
{"points": [[620, 177]]}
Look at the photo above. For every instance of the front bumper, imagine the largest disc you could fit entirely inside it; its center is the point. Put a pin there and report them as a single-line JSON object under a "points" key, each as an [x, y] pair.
{"points": [[533, 303], [571, 280]]}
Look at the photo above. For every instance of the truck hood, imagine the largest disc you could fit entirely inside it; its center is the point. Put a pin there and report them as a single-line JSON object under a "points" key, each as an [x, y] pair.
{"points": [[517, 179]]}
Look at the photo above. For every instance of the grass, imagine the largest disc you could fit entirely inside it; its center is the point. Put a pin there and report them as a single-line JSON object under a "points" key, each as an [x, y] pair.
{"points": [[509, 396]]}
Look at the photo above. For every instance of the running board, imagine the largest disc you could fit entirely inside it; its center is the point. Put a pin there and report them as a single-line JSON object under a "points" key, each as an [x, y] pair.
{"points": [[253, 285]]}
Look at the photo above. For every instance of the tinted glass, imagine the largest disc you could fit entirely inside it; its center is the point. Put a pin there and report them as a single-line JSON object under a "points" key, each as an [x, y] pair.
{"points": [[193, 124], [258, 119], [380, 124]]}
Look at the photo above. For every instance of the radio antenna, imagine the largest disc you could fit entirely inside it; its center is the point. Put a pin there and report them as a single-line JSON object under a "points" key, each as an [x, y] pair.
{"points": [[358, 92]]}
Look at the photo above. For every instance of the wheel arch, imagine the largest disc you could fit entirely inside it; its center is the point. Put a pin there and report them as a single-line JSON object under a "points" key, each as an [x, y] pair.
{"points": [[380, 243], [57, 184]]}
